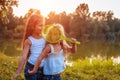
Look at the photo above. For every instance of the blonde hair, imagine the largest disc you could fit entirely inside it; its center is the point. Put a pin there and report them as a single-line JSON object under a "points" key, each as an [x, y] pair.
{"points": [[63, 33], [61, 28]]}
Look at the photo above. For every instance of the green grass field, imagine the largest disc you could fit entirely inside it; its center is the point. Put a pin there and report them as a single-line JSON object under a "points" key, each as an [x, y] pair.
{"points": [[90, 68]]}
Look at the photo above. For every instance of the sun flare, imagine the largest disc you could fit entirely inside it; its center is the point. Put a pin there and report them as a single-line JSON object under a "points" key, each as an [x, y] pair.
{"points": [[45, 6], [69, 6]]}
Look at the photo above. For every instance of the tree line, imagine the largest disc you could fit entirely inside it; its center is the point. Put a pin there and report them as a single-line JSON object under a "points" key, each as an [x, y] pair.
{"points": [[81, 24]]}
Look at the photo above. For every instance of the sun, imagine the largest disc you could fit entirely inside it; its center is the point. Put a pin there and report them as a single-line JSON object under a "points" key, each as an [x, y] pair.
{"points": [[45, 6]]}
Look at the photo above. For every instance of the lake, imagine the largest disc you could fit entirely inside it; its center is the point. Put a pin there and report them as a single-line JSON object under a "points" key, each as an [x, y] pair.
{"points": [[10, 47], [85, 49]]}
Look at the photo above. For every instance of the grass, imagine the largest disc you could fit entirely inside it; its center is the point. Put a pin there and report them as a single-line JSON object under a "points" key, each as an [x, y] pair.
{"points": [[96, 68], [8, 66], [90, 68]]}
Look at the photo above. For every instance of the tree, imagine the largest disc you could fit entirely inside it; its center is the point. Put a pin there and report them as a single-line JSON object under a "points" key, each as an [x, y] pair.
{"points": [[52, 18], [5, 8], [79, 22], [65, 21]]}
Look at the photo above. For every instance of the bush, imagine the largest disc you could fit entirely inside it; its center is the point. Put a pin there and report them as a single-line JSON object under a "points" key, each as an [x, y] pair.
{"points": [[8, 66]]}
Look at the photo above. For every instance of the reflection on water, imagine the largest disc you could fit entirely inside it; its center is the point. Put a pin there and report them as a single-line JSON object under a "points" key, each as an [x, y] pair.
{"points": [[13, 48], [10, 47], [105, 49]]}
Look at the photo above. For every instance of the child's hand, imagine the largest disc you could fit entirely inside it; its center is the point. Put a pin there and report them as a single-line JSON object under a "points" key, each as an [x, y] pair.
{"points": [[31, 72], [73, 40], [15, 76]]}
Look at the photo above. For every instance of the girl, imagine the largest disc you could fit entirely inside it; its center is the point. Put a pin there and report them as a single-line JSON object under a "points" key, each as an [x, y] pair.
{"points": [[33, 45], [54, 55]]}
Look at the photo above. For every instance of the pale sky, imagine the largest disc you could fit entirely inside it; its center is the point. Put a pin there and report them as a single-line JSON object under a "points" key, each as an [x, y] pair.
{"points": [[69, 6]]}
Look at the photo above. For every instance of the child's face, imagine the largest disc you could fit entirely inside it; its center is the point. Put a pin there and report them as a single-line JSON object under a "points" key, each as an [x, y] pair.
{"points": [[38, 28]]}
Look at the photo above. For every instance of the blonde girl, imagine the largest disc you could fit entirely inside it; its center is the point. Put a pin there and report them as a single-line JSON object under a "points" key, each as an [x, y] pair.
{"points": [[54, 54]]}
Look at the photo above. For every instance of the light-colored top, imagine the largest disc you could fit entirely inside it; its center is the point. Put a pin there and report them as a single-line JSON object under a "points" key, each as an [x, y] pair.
{"points": [[54, 62], [36, 49]]}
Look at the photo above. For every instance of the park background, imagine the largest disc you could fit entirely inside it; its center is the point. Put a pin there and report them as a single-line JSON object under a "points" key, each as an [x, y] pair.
{"points": [[97, 57]]}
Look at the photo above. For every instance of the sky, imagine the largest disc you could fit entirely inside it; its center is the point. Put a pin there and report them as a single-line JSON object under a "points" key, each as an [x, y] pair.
{"points": [[69, 6]]}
